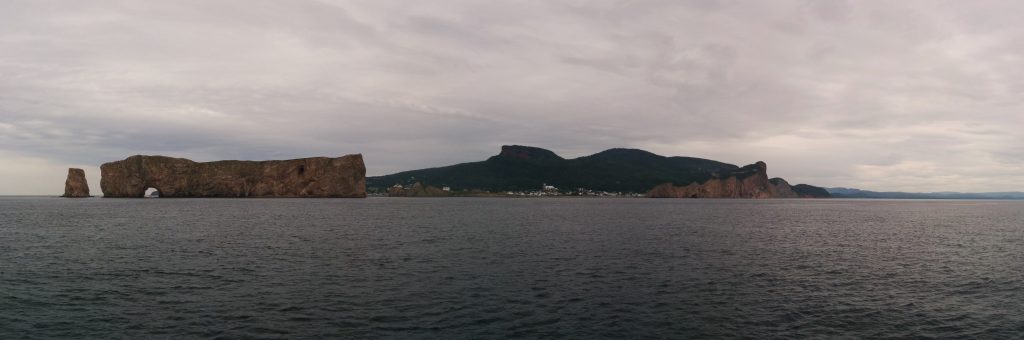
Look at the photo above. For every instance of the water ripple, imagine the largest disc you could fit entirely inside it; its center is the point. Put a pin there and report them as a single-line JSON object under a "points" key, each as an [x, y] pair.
{"points": [[496, 268]]}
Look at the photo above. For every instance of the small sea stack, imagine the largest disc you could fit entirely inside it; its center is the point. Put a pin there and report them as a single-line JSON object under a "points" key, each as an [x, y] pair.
{"points": [[76, 186]]}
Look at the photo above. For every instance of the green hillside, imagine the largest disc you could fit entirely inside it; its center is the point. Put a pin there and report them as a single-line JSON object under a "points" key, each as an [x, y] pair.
{"points": [[527, 168]]}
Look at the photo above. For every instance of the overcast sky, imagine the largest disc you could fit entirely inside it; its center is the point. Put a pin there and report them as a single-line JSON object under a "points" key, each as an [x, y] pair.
{"points": [[879, 95]]}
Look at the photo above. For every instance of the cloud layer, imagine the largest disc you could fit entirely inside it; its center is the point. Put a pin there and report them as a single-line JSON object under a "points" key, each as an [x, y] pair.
{"points": [[909, 95]]}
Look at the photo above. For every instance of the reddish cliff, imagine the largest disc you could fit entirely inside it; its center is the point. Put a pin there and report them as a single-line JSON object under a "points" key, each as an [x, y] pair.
{"points": [[76, 185], [179, 177], [750, 181]]}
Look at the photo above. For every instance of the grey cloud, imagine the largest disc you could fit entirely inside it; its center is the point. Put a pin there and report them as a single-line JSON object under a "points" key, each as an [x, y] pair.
{"points": [[851, 93]]}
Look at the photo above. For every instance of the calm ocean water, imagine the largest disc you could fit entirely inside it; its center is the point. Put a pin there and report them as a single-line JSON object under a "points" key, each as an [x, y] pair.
{"points": [[510, 268]]}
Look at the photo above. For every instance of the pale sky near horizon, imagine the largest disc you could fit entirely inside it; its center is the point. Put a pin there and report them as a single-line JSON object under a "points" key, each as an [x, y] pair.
{"points": [[879, 95]]}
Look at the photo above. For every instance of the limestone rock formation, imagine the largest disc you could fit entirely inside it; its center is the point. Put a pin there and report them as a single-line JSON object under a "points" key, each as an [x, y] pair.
{"points": [[750, 181], [76, 185], [178, 177]]}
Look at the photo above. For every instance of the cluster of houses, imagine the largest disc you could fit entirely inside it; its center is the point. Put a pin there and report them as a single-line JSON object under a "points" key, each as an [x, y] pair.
{"points": [[418, 189], [549, 190], [410, 186]]}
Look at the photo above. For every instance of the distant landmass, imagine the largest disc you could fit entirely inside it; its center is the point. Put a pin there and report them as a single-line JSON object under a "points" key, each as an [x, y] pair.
{"points": [[523, 168], [857, 193]]}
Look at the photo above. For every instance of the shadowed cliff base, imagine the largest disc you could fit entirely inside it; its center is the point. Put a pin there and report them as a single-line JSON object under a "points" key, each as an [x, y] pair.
{"points": [[178, 177]]}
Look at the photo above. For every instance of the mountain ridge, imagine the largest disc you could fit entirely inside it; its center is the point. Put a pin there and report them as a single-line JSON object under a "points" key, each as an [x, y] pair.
{"points": [[841, 192], [526, 168]]}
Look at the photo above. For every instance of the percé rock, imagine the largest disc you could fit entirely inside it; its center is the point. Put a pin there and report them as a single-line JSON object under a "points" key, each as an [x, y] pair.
{"points": [[76, 185], [178, 177], [750, 181]]}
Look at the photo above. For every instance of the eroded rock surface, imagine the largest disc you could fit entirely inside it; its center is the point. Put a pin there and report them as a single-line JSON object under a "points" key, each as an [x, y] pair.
{"points": [[178, 177], [750, 181], [76, 185]]}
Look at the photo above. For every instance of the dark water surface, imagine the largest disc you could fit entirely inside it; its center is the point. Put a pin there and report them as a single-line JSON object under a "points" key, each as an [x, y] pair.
{"points": [[510, 268]]}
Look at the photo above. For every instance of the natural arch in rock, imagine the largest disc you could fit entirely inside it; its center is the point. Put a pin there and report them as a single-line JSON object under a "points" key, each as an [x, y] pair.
{"points": [[178, 177]]}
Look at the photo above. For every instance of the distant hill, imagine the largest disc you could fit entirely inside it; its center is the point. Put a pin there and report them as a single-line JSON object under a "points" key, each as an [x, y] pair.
{"points": [[524, 168], [857, 193], [806, 190]]}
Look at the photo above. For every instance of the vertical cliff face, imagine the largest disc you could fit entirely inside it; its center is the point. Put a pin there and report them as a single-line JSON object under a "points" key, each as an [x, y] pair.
{"points": [[750, 181], [76, 185], [179, 177]]}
